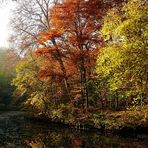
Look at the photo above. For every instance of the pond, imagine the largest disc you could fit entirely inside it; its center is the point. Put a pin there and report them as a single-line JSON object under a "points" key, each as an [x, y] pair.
{"points": [[17, 132]]}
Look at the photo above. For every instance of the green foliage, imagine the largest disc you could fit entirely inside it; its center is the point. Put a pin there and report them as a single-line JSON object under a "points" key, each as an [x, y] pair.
{"points": [[29, 86], [123, 62]]}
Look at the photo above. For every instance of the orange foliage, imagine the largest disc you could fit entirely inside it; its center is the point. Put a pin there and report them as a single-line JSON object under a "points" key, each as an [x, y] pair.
{"points": [[49, 35], [71, 45]]}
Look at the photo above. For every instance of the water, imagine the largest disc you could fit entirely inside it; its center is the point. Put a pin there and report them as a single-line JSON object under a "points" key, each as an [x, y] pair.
{"points": [[16, 132]]}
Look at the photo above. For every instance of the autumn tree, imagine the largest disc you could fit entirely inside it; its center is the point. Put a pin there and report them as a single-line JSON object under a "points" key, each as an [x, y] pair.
{"points": [[74, 40], [65, 50]]}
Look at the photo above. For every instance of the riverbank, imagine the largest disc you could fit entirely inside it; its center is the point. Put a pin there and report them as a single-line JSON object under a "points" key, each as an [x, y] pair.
{"points": [[132, 120], [16, 131]]}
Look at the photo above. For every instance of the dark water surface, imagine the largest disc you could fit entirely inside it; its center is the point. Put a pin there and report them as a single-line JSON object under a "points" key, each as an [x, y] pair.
{"points": [[16, 132]]}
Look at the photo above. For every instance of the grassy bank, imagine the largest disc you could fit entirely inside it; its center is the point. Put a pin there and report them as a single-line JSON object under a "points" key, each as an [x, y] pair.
{"points": [[130, 119]]}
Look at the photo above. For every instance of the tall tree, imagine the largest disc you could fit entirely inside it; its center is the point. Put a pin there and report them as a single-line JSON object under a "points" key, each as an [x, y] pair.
{"points": [[74, 38]]}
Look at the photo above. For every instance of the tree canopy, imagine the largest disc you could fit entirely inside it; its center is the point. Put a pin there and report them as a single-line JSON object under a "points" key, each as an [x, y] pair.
{"points": [[81, 57]]}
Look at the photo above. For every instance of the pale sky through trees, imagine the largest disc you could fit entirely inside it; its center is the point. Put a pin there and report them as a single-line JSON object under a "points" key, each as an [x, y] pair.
{"points": [[5, 14]]}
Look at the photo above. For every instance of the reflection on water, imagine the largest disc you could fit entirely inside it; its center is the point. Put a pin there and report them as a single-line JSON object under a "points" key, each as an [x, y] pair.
{"points": [[18, 133]]}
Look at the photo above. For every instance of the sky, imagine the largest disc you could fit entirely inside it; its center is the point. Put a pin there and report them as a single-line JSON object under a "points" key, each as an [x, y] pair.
{"points": [[5, 15]]}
